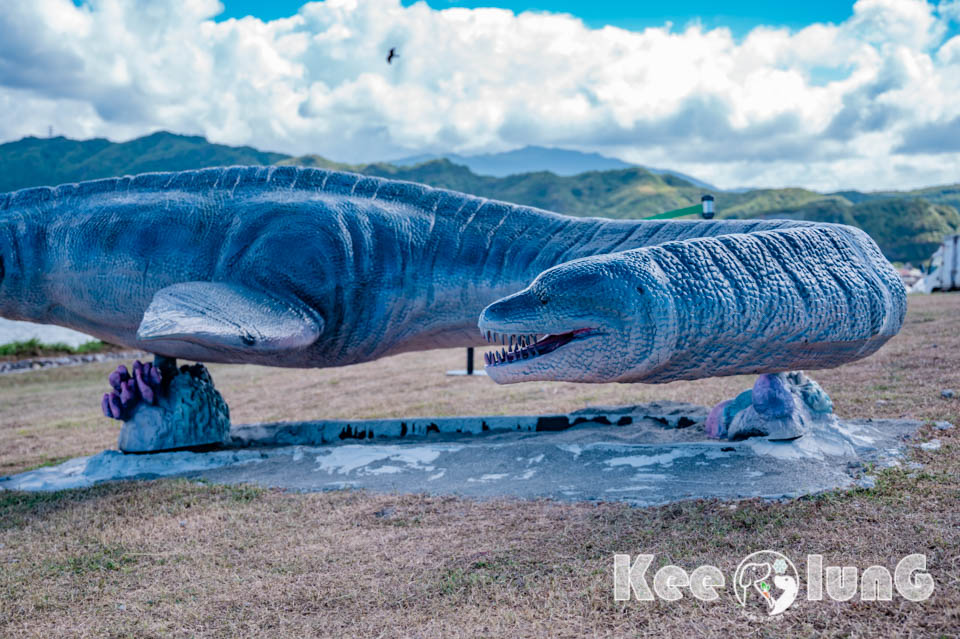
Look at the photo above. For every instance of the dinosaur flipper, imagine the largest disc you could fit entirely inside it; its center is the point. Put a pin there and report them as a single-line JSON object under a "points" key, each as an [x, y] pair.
{"points": [[228, 318]]}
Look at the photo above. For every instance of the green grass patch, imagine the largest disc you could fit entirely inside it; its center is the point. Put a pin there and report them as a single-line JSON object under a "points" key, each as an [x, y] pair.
{"points": [[98, 559], [16, 506], [36, 348]]}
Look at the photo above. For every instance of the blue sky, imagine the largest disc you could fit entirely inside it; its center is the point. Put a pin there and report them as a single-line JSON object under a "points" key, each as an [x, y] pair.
{"points": [[740, 17], [851, 95]]}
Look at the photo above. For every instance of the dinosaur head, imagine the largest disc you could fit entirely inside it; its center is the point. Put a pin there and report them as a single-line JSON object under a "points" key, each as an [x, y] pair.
{"points": [[597, 319]]}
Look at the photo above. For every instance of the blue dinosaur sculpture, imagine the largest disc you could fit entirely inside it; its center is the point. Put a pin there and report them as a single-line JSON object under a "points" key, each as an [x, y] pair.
{"points": [[301, 267]]}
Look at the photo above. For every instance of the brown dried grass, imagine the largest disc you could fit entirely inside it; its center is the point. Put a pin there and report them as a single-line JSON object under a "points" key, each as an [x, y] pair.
{"points": [[178, 558]]}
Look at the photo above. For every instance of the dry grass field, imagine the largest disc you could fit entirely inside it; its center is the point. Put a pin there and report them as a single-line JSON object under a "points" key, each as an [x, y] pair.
{"points": [[185, 559]]}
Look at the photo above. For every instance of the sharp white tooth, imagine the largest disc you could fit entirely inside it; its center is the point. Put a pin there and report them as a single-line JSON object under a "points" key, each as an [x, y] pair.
{"points": [[503, 353], [511, 343]]}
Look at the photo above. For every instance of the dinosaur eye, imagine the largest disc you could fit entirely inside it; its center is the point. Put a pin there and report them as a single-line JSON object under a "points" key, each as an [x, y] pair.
{"points": [[640, 290]]}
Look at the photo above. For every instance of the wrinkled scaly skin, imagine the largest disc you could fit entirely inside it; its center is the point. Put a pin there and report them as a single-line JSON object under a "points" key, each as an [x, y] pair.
{"points": [[762, 302], [286, 266]]}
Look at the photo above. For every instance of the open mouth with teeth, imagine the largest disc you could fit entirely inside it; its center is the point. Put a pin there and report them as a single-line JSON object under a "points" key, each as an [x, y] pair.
{"points": [[519, 348]]}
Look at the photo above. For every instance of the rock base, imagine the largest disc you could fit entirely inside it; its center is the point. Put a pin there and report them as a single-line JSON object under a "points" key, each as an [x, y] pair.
{"points": [[780, 406], [651, 460], [188, 413]]}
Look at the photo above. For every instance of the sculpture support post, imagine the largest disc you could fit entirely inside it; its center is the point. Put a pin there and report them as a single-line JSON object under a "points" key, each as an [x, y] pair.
{"points": [[179, 409], [779, 406]]}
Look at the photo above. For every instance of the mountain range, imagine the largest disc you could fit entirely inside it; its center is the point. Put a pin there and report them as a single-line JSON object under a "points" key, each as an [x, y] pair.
{"points": [[533, 159], [908, 225]]}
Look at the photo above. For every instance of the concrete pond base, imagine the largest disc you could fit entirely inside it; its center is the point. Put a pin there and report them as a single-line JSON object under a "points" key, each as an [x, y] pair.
{"points": [[646, 454]]}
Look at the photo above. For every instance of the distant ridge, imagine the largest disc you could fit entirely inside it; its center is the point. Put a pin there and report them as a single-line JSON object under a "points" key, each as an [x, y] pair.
{"points": [[529, 159], [532, 159]]}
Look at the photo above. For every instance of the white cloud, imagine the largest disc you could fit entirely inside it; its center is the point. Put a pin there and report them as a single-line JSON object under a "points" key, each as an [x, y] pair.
{"points": [[868, 103]]}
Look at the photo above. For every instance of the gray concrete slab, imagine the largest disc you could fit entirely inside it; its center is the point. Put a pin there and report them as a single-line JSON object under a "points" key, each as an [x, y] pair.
{"points": [[646, 461]]}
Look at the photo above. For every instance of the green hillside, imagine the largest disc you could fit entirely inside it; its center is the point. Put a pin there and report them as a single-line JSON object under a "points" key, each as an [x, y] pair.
{"points": [[906, 229], [907, 225], [948, 195], [624, 193], [50, 161]]}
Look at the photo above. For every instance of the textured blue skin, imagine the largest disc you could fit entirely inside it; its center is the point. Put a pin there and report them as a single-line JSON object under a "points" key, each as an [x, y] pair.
{"points": [[768, 301], [369, 267]]}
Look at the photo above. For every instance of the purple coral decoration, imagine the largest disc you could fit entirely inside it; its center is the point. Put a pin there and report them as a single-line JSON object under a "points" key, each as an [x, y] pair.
{"points": [[129, 389]]}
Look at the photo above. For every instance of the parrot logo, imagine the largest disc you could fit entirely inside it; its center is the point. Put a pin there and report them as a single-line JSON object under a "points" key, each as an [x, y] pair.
{"points": [[772, 576]]}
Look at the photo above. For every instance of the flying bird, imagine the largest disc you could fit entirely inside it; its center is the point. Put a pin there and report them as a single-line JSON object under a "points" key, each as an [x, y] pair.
{"points": [[391, 55]]}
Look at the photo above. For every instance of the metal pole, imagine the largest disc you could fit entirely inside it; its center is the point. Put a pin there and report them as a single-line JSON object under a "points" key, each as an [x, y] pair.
{"points": [[469, 360]]}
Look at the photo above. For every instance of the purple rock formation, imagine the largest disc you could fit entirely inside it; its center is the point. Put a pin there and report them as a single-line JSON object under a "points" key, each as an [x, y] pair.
{"points": [[771, 397], [129, 389], [715, 426]]}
